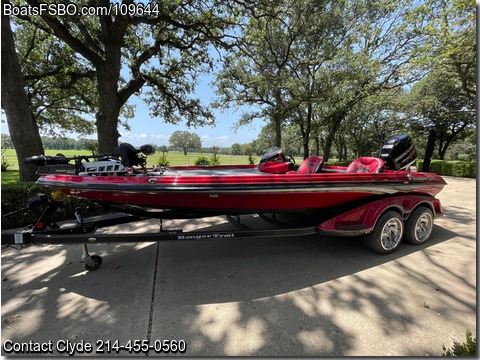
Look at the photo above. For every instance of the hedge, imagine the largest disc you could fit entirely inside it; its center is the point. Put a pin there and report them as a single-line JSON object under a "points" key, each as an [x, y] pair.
{"points": [[451, 168], [15, 196], [338, 163]]}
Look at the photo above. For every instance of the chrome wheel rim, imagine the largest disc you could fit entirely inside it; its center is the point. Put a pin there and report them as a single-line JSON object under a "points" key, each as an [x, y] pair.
{"points": [[392, 233], [423, 227]]}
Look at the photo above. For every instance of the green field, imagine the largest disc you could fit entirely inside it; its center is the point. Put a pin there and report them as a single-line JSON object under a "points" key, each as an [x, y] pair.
{"points": [[176, 158]]}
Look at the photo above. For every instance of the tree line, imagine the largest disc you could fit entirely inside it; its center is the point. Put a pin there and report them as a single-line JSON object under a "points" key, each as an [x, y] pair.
{"points": [[464, 150], [331, 74]]}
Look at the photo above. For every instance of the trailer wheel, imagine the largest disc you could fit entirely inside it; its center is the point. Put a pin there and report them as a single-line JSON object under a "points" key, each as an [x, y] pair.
{"points": [[419, 226], [387, 234], [92, 262]]}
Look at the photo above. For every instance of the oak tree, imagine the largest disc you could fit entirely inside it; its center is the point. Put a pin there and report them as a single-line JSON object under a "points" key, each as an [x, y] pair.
{"points": [[185, 140], [163, 47]]}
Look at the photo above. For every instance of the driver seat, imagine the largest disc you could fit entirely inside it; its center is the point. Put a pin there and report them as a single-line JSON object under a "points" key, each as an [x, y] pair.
{"points": [[311, 165], [366, 165]]}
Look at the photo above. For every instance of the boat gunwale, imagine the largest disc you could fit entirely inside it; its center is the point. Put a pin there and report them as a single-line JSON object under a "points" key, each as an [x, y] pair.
{"points": [[371, 183]]}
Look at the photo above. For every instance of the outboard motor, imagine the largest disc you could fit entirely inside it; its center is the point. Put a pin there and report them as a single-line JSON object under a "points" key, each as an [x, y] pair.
{"points": [[398, 152]]}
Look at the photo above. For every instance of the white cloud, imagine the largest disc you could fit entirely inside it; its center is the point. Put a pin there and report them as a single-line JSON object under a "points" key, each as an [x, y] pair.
{"points": [[143, 138], [223, 139], [161, 137]]}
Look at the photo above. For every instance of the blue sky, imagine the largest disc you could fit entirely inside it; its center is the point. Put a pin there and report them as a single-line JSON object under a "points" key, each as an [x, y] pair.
{"points": [[147, 130]]}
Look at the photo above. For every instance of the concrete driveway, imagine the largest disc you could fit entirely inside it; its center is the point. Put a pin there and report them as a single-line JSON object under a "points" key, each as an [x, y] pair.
{"points": [[306, 296]]}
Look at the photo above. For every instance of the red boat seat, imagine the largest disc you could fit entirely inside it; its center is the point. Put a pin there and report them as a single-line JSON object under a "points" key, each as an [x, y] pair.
{"points": [[366, 165], [273, 167], [311, 165]]}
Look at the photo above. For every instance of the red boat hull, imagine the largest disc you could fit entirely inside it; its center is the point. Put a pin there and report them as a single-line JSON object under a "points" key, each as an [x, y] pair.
{"points": [[210, 191]]}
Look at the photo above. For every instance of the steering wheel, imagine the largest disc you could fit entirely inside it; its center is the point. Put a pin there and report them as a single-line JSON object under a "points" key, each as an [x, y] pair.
{"points": [[289, 158]]}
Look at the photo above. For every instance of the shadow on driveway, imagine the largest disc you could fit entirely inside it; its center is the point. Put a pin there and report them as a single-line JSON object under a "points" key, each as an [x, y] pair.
{"points": [[227, 297]]}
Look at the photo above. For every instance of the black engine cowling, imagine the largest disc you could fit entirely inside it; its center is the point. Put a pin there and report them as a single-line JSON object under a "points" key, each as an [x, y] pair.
{"points": [[398, 152]]}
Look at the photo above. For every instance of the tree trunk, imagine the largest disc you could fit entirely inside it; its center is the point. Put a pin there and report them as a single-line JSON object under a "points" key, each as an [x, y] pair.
{"points": [[306, 149], [277, 118], [21, 123], [107, 131], [109, 103], [308, 129], [429, 150], [278, 130], [329, 140], [336, 119], [442, 149]]}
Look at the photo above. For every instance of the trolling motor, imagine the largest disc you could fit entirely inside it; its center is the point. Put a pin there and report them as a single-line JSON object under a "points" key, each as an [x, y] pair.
{"points": [[45, 208], [34, 204], [121, 162]]}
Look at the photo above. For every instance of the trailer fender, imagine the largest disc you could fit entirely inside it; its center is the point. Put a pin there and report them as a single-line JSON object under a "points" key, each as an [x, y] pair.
{"points": [[362, 219]]}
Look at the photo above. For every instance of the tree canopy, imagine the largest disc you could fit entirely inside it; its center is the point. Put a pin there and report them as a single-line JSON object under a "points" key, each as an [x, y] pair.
{"points": [[310, 63], [185, 140], [163, 49], [438, 102], [60, 88]]}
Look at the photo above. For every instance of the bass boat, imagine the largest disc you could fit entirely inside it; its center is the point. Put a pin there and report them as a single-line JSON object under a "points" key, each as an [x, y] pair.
{"points": [[274, 185], [376, 197]]}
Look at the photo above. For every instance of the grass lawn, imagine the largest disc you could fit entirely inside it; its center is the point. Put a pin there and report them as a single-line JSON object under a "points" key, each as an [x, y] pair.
{"points": [[176, 158], [10, 156], [10, 177]]}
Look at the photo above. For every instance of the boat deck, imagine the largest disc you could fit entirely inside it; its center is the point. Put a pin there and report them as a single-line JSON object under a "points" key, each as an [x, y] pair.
{"points": [[210, 172], [224, 171]]}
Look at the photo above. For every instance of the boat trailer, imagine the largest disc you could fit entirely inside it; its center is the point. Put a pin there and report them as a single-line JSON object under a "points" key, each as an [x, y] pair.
{"points": [[382, 223], [46, 231]]}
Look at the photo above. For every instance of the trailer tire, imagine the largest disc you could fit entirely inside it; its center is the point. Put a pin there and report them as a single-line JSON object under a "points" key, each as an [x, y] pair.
{"points": [[419, 226], [387, 233]]}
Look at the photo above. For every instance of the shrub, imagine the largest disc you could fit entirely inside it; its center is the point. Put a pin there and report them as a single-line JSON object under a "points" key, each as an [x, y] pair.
{"points": [[163, 161], [464, 157], [202, 160], [251, 159], [5, 165], [214, 160], [465, 349], [15, 196]]}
